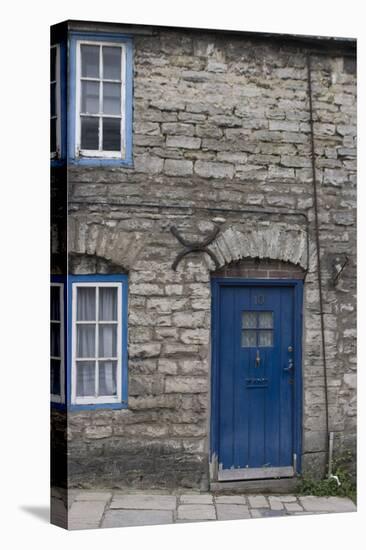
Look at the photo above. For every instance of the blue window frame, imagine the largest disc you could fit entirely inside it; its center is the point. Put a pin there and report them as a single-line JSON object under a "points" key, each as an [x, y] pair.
{"points": [[96, 342], [100, 113]]}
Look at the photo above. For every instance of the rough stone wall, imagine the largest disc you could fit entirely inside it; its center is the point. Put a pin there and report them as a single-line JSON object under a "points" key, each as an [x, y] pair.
{"points": [[219, 122]]}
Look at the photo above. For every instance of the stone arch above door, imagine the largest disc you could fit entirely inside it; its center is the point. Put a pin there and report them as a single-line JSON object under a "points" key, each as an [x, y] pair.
{"points": [[273, 242]]}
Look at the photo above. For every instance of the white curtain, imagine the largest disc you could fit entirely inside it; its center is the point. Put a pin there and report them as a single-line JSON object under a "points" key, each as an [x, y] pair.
{"points": [[107, 378], [86, 339]]}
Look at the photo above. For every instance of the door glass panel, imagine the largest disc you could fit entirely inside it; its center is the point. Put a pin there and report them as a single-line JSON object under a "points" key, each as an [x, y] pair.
{"points": [[249, 319], [265, 338], [265, 319], [85, 378], [248, 339]]}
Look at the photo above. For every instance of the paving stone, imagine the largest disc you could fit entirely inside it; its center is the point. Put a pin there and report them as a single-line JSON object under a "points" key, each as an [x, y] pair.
{"points": [[232, 511], [230, 499], [287, 498], [258, 501], [92, 495], [327, 504], [144, 502], [196, 499], [85, 514], [196, 512], [130, 518], [293, 507], [275, 503]]}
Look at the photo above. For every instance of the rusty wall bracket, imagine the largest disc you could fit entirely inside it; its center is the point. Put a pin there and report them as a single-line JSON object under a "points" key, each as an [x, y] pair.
{"points": [[194, 247]]}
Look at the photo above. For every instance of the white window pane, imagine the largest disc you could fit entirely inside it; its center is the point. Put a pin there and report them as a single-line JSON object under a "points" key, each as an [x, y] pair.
{"points": [[85, 337], [248, 339], [107, 340], [108, 304], [265, 319], [85, 378], [111, 98], [111, 134], [90, 133], [55, 303], [86, 303], [265, 338], [107, 377], [55, 339], [55, 376], [111, 63], [249, 319], [90, 61], [90, 97]]}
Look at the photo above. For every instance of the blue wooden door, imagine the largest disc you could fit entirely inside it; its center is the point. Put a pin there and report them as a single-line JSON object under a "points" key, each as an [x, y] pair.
{"points": [[256, 382]]}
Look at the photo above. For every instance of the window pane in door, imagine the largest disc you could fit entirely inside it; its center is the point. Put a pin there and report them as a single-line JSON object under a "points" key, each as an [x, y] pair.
{"points": [[249, 319], [107, 377], [86, 303], [90, 133], [107, 340], [108, 304], [265, 338], [85, 378], [55, 376], [248, 338], [265, 319], [111, 63], [85, 338], [111, 134], [111, 98], [89, 61], [89, 97]]}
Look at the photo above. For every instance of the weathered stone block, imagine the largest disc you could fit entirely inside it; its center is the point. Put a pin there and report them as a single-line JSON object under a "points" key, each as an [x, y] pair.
{"points": [[213, 169], [178, 167], [185, 384]]}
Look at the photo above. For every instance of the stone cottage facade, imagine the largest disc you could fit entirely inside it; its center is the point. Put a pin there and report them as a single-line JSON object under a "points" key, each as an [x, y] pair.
{"points": [[243, 144]]}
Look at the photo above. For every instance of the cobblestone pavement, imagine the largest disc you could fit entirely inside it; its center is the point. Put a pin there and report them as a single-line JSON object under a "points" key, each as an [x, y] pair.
{"points": [[94, 509]]}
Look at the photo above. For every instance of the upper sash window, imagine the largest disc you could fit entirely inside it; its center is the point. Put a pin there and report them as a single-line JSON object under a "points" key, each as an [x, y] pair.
{"points": [[55, 107]]}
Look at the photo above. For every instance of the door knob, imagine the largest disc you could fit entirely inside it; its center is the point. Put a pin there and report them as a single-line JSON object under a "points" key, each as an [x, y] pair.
{"points": [[290, 365]]}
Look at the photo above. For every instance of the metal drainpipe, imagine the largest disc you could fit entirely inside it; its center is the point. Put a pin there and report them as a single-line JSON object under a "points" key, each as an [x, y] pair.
{"points": [[316, 220]]}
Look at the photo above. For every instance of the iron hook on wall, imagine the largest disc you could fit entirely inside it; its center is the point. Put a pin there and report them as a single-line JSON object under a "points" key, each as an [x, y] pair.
{"points": [[195, 246]]}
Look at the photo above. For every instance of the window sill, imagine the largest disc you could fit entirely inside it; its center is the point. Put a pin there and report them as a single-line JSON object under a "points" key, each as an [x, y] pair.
{"points": [[75, 408], [101, 162]]}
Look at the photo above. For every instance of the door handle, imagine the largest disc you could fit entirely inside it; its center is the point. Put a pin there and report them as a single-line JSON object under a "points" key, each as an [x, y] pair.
{"points": [[257, 359], [290, 365]]}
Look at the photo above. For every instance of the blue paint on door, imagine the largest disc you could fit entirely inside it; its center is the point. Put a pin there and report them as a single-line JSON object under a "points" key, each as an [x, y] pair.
{"points": [[256, 374]]}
